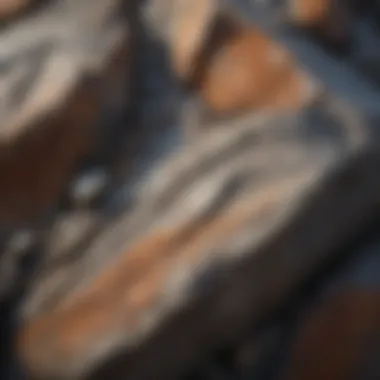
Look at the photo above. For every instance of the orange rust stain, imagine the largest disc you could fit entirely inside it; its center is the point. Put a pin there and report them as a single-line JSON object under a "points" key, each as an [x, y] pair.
{"points": [[332, 341], [249, 71], [236, 68], [239, 68]]}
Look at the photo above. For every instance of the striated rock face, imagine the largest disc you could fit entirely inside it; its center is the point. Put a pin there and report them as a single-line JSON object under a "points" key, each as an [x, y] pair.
{"points": [[182, 196], [230, 213]]}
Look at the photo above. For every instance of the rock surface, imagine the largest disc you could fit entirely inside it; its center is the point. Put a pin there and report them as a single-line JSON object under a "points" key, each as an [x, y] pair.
{"points": [[182, 198]]}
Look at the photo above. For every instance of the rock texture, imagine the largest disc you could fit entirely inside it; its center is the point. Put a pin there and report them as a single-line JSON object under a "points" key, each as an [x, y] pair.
{"points": [[184, 195]]}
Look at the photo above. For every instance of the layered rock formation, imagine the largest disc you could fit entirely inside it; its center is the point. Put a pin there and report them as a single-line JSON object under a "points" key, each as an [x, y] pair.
{"points": [[183, 195]]}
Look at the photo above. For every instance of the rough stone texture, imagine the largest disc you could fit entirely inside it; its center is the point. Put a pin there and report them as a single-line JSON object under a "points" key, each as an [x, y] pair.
{"points": [[129, 250], [257, 205]]}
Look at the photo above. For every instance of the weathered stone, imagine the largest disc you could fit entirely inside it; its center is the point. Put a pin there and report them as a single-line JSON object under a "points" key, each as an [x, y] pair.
{"points": [[165, 263], [219, 237]]}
